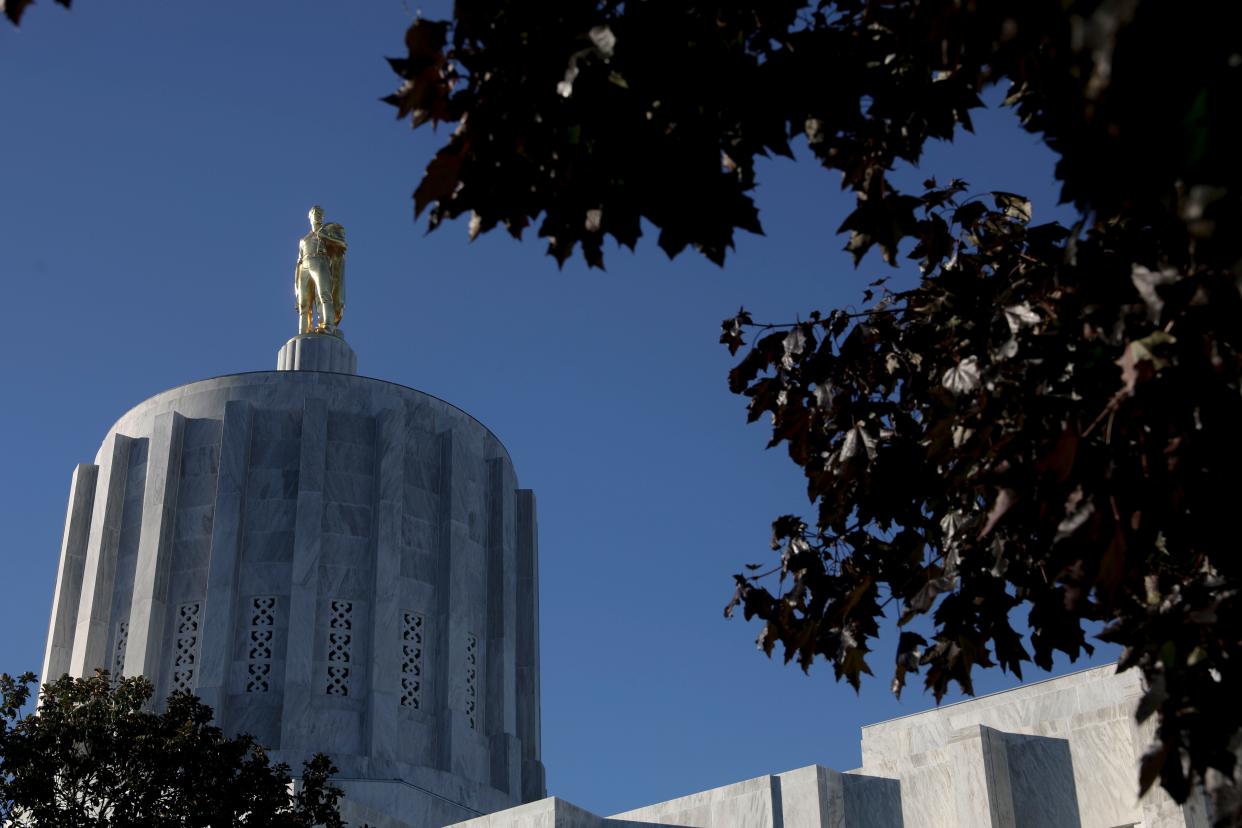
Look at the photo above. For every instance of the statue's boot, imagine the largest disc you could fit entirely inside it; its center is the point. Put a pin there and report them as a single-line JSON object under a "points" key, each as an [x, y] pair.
{"points": [[326, 317]]}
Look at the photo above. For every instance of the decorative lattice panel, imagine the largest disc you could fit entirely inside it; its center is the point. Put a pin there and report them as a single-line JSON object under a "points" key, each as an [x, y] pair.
{"points": [[412, 660], [340, 646], [472, 680], [185, 658], [262, 633], [118, 651]]}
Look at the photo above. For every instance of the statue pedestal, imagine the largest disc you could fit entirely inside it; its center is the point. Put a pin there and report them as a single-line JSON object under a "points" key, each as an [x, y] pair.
{"points": [[317, 352]]}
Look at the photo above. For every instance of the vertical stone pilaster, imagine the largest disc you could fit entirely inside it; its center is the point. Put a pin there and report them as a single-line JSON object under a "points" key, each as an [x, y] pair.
{"points": [[149, 606], [468, 644], [300, 678], [493, 702], [90, 640], [872, 800], [386, 626], [442, 630], [982, 791], [1000, 788], [68, 595], [811, 797], [501, 614], [220, 604], [506, 537], [527, 644]]}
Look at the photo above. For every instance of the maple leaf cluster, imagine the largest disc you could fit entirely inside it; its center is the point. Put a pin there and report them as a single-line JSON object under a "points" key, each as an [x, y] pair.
{"points": [[1048, 423]]}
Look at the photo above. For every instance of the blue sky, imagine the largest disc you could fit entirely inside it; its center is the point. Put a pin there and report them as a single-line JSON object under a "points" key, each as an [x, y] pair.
{"points": [[156, 164]]}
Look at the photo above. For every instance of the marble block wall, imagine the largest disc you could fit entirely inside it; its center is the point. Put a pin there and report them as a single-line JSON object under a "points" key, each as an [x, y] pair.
{"points": [[810, 797], [1061, 753], [334, 564]]}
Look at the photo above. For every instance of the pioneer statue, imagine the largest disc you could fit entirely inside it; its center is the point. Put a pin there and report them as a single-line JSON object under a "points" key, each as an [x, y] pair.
{"points": [[319, 276]]}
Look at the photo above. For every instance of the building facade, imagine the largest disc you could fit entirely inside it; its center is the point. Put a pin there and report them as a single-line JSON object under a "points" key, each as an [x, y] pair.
{"points": [[335, 564], [1061, 753]]}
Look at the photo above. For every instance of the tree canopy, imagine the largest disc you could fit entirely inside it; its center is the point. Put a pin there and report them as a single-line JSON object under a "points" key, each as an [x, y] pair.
{"points": [[14, 9], [1046, 423], [94, 756]]}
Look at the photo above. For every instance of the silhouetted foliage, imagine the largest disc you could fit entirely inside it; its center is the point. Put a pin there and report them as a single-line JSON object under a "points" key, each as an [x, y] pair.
{"points": [[94, 755], [1049, 421], [14, 9]]}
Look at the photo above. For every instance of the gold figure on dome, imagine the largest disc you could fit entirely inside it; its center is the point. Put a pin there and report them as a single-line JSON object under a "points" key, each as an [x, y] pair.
{"points": [[319, 276]]}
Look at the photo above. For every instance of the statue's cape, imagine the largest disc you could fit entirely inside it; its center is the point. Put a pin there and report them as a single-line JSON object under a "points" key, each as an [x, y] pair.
{"points": [[333, 231], [336, 261]]}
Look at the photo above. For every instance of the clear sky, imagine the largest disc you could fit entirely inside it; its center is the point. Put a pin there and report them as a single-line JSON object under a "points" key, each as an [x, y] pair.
{"points": [[157, 161]]}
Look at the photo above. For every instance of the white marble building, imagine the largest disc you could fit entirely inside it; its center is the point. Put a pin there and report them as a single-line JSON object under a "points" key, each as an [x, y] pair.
{"points": [[334, 564], [1061, 753], [340, 564]]}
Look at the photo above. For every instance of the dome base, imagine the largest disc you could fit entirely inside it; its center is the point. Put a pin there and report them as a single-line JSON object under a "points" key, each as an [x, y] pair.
{"points": [[317, 352]]}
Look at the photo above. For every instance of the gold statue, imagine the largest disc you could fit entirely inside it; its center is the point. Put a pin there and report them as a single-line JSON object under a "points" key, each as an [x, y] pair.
{"points": [[319, 276]]}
